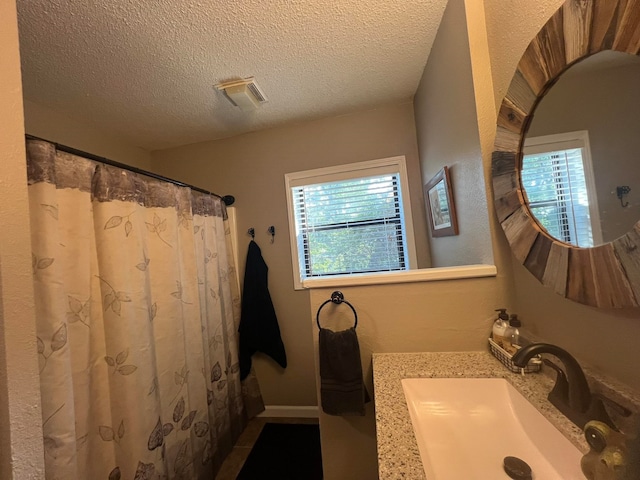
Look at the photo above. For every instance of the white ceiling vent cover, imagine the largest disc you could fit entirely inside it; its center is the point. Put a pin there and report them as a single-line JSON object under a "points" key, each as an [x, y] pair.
{"points": [[243, 93]]}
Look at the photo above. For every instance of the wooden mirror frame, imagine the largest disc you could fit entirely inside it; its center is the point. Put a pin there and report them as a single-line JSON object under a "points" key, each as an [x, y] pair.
{"points": [[607, 275]]}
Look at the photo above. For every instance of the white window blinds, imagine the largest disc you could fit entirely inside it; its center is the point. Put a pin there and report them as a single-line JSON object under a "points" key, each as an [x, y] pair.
{"points": [[350, 219], [553, 175], [350, 226]]}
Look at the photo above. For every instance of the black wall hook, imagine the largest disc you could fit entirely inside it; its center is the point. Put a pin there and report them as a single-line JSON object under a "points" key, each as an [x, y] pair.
{"points": [[272, 232], [621, 191], [252, 232]]}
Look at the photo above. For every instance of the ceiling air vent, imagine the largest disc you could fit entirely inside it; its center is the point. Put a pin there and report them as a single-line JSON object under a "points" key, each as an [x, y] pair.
{"points": [[245, 93]]}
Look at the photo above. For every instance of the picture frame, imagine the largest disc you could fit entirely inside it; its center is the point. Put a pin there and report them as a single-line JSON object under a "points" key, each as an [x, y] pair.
{"points": [[441, 209]]}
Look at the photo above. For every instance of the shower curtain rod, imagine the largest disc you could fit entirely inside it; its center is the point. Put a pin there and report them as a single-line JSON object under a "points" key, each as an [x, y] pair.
{"points": [[227, 199]]}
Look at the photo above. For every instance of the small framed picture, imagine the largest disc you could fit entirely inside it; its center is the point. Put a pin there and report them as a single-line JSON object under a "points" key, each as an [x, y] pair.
{"points": [[440, 207]]}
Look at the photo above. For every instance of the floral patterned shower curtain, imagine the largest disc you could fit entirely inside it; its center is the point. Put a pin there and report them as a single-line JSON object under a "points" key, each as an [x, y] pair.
{"points": [[137, 318]]}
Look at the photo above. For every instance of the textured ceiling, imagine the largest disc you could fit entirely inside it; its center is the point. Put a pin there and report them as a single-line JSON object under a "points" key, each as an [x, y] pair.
{"points": [[145, 69]]}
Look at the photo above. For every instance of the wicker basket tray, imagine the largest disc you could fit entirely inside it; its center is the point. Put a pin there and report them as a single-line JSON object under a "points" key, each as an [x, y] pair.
{"points": [[505, 357]]}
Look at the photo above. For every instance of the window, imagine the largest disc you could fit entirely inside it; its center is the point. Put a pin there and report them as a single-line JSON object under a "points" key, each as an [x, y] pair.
{"points": [[350, 219], [558, 179]]}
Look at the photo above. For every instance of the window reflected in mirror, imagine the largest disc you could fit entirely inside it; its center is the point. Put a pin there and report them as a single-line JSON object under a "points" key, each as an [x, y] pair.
{"points": [[583, 145], [558, 179]]}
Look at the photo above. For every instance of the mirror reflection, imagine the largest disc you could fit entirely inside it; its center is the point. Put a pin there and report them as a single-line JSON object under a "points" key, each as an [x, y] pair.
{"points": [[580, 166]]}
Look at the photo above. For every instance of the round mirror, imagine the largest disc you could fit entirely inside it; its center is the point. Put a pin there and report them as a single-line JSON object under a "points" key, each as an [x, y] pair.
{"points": [[580, 156], [607, 274]]}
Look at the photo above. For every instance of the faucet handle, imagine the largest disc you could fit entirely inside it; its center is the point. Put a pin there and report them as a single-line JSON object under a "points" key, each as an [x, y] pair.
{"points": [[611, 456], [620, 410]]}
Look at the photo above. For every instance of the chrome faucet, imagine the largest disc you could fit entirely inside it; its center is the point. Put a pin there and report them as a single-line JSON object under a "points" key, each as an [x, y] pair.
{"points": [[571, 394]]}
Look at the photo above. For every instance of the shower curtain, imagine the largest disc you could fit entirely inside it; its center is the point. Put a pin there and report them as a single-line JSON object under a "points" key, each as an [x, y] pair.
{"points": [[137, 316]]}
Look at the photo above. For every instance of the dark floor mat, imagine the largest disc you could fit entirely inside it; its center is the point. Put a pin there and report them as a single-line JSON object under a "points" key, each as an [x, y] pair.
{"points": [[285, 452]]}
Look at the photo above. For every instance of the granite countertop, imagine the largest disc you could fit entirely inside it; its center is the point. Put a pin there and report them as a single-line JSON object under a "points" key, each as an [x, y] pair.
{"points": [[398, 454]]}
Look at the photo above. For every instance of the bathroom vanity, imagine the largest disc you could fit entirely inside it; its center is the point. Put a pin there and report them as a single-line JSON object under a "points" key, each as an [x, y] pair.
{"points": [[398, 451]]}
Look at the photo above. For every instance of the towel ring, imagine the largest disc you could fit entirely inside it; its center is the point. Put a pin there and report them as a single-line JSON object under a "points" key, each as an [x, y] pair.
{"points": [[337, 298]]}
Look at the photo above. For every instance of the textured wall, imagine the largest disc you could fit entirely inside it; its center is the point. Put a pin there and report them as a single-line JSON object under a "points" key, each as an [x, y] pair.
{"points": [[447, 127], [252, 168], [21, 452], [48, 124], [510, 27]]}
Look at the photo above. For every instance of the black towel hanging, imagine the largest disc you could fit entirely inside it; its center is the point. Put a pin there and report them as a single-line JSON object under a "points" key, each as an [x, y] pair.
{"points": [[259, 329], [337, 297]]}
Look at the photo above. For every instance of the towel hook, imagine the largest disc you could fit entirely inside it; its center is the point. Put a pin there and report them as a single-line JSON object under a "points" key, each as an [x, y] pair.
{"points": [[621, 191], [252, 232], [337, 297], [272, 232]]}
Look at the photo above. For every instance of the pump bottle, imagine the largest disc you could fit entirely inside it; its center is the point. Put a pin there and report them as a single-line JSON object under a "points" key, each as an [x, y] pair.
{"points": [[500, 327], [513, 334]]}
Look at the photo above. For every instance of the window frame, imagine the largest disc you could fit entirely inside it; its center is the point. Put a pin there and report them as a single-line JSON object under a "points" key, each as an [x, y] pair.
{"points": [[345, 172], [566, 141]]}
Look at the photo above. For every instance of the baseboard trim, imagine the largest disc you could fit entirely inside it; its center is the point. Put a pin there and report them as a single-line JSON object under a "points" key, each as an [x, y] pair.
{"points": [[290, 411]]}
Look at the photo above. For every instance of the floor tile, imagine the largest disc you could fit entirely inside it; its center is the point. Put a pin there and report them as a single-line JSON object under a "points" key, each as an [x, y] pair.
{"points": [[251, 433], [233, 463]]}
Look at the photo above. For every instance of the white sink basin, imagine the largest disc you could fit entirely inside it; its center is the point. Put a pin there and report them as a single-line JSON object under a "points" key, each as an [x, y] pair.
{"points": [[466, 427]]}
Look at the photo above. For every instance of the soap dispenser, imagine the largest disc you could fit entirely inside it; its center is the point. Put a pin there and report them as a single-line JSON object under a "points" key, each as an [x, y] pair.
{"points": [[512, 334], [500, 327]]}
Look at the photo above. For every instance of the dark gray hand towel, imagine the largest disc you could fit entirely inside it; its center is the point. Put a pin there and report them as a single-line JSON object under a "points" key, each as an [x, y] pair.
{"points": [[342, 390]]}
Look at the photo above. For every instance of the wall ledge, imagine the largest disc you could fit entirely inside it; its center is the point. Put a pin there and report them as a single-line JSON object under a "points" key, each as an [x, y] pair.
{"points": [[410, 276]]}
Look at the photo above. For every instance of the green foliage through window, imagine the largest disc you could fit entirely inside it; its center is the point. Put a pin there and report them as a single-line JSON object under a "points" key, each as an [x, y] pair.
{"points": [[350, 226], [557, 194]]}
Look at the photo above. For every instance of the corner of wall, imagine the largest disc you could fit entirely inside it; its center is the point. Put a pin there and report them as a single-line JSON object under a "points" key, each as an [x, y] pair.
{"points": [[448, 134], [21, 449]]}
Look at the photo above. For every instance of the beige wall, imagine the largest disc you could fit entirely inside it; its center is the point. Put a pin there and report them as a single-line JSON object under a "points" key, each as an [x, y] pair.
{"points": [[21, 451], [606, 104], [604, 339], [251, 167], [450, 138], [510, 28], [48, 124], [452, 315]]}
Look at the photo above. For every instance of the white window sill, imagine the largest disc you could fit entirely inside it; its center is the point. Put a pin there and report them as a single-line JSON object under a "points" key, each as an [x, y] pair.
{"points": [[422, 275]]}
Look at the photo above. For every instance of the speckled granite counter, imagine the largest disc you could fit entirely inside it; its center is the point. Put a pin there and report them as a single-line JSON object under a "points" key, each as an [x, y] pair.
{"points": [[398, 454]]}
